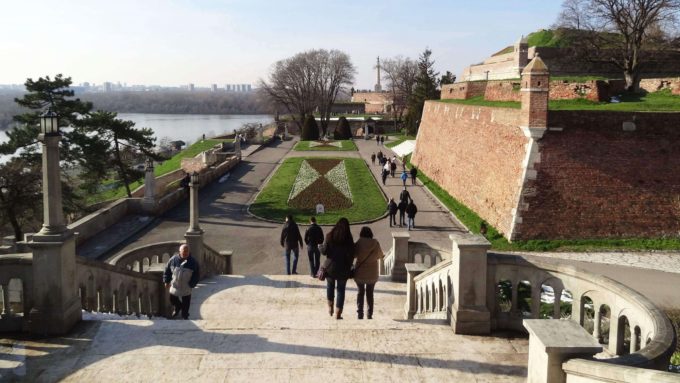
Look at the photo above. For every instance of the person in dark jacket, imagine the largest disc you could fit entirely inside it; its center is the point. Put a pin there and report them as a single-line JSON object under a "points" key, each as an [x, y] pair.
{"points": [[411, 211], [402, 212], [313, 238], [393, 167], [368, 254], [377, 139], [180, 276], [414, 174], [373, 158], [383, 174], [290, 238], [382, 140], [339, 250], [405, 195], [392, 208]]}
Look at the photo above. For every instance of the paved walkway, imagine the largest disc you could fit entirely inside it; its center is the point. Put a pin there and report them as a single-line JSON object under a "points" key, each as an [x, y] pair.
{"points": [[270, 329]]}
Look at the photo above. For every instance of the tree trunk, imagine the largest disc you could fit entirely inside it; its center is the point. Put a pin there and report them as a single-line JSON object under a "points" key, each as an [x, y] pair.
{"points": [[632, 81], [121, 168]]}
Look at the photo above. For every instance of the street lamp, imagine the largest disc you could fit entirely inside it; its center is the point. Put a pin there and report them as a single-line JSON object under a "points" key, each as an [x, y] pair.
{"points": [[49, 123]]}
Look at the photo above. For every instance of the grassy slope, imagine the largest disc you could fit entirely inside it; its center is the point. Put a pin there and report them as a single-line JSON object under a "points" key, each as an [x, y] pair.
{"points": [[347, 145], [368, 201], [472, 221], [480, 101]]}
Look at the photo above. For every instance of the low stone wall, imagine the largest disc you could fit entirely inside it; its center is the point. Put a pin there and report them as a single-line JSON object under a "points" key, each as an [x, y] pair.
{"points": [[90, 225], [161, 183]]}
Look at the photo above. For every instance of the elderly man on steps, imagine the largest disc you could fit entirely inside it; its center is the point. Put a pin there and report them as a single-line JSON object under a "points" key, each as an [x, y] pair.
{"points": [[180, 276]]}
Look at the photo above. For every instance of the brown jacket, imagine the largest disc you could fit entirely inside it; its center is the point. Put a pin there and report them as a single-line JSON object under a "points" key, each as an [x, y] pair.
{"points": [[367, 252]]}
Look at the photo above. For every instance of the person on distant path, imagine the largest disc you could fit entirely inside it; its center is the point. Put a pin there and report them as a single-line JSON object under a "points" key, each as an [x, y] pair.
{"points": [[313, 238], [383, 174], [411, 211], [373, 158], [414, 174], [290, 237], [393, 168], [180, 276], [377, 140], [392, 209], [405, 195], [382, 140], [404, 177], [402, 212], [339, 251], [368, 253], [380, 154]]}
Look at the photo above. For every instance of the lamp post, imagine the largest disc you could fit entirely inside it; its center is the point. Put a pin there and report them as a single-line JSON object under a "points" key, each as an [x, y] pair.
{"points": [[53, 214], [194, 235]]}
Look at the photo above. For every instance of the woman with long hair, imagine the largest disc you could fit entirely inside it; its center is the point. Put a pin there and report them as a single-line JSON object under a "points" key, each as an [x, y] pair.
{"points": [[339, 250], [366, 271]]}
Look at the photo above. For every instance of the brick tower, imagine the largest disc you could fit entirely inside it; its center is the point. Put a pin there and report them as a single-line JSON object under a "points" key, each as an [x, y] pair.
{"points": [[521, 54], [535, 88]]}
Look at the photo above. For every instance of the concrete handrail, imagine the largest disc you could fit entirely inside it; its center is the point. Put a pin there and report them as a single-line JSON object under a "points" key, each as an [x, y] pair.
{"points": [[153, 252]]}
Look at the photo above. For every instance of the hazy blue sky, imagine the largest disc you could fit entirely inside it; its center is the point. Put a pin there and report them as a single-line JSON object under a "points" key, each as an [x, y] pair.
{"points": [[237, 41]]}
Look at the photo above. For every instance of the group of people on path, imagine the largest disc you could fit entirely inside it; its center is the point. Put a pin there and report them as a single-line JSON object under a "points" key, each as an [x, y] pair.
{"points": [[389, 167], [380, 140], [406, 208], [345, 259]]}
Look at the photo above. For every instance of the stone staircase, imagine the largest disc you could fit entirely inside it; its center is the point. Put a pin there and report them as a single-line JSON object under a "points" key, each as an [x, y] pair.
{"points": [[276, 329]]}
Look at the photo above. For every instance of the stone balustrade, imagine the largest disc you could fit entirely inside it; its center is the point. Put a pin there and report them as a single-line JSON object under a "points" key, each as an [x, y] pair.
{"points": [[16, 277], [142, 258], [404, 251], [487, 291]]}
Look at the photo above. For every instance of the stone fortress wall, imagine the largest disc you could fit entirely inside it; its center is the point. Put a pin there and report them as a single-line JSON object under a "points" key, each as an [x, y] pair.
{"points": [[376, 102], [588, 174]]}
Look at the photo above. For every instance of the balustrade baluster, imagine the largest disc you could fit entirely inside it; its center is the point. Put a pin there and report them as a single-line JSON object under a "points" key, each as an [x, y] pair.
{"points": [[557, 303], [7, 308]]}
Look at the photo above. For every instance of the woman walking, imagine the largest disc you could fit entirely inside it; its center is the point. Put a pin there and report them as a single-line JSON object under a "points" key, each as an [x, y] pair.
{"points": [[339, 250], [368, 253]]}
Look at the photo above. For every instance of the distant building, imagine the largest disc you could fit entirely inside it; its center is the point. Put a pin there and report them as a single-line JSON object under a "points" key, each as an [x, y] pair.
{"points": [[214, 87], [191, 87], [107, 86]]}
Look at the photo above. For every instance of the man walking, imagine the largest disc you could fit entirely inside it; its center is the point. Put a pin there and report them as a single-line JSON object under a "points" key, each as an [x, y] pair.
{"points": [[290, 237], [313, 238], [405, 195], [393, 167], [377, 140], [180, 276], [404, 177], [402, 212], [414, 174], [411, 211], [373, 158], [392, 209], [383, 173]]}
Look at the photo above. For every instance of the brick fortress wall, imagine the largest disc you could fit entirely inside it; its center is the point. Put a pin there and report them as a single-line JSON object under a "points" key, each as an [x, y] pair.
{"points": [[476, 154], [596, 180], [375, 101]]}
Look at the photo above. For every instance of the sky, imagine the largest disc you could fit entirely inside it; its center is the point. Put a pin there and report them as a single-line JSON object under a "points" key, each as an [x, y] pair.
{"points": [[204, 42]]}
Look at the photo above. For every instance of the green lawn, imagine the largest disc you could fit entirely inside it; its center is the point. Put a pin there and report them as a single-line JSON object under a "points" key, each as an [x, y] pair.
{"points": [[480, 101], [166, 167], [472, 221], [347, 145], [368, 201]]}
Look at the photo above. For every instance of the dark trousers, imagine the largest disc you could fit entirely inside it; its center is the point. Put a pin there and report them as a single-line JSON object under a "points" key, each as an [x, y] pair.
{"points": [[296, 253], [402, 218], [181, 305], [393, 219], [384, 177], [413, 180], [314, 255], [365, 289], [330, 291]]}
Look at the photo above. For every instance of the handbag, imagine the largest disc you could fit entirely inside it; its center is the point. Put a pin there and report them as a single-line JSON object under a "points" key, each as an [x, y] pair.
{"points": [[353, 270]]}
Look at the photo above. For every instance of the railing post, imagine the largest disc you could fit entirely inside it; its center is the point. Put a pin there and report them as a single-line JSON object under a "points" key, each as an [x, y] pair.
{"points": [[228, 267], [400, 248], [149, 200], [412, 271], [469, 314], [551, 343], [194, 235], [6, 307]]}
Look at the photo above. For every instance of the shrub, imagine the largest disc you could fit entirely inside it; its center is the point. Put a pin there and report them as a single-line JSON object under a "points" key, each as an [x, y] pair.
{"points": [[310, 131], [342, 130]]}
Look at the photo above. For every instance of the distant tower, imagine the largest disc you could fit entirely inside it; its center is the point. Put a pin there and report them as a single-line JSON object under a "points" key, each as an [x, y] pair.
{"points": [[535, 89], [521, 54], [191, 87], [378, 87]]}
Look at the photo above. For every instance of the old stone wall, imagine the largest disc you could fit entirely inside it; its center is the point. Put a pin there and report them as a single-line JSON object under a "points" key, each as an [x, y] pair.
{"points": [[476, 154], [503, 91], [606, 174], [657, 84]]}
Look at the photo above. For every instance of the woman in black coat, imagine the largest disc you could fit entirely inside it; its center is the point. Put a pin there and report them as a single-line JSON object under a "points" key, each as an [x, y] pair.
{"points": [[339, 250]]}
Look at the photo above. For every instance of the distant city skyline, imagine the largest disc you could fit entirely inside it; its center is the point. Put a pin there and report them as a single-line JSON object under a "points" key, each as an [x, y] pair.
{"points": [[177, 43]]}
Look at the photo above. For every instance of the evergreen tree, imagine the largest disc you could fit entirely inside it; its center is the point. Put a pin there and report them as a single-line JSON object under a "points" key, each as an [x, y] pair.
{"points": [[20, 196], [310, 131], [342, 129], [448, 78], [425, 89]]}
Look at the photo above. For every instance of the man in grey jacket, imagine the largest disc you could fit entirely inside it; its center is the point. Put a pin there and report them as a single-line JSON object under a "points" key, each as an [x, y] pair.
{"points": [[180, 276]]}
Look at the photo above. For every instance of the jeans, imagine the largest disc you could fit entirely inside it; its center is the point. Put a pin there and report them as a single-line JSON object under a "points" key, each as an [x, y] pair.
{"points": [[366, 288], [314, 255], [411, 223], [330, 290], [296, 253], [402, 218], [393, 219], [181, 306]]}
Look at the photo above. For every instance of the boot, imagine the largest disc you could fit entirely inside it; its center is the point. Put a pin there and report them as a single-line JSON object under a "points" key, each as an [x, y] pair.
{"points": [[338, 313], [330, 308]]}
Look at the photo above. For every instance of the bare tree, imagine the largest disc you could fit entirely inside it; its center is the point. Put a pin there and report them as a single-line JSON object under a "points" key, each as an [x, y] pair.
{"points": [[627, 33], [400, 76], [309, 81]]}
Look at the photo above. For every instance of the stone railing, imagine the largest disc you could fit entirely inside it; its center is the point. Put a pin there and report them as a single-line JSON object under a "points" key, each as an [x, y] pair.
{"points": [[16, 282], [480, 292], [404, 251], [141, 259], [216, 262], [108, 289]]}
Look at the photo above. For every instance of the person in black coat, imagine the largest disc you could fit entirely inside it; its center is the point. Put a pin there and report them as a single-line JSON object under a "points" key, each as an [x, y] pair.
{"points": [[313, 238], [405, 195], [402, 212], [393, 167], [392, 208], [339, 250], [290, 238], [411, 211], [383, 174], [373, 158], [414, 174]]}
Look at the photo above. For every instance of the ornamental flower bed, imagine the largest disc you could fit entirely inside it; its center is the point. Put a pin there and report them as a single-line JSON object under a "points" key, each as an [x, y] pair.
{"points": [[327, 144], [321, 181]]}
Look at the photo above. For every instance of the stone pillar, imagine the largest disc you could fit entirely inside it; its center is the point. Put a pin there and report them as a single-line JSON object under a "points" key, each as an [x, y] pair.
{"points": [[194, 235], [237, 146], [557, 309], [596, 322], [551, 343], [535, 301], [615, 336], [469, 314], [412, 271], [633, 339], [56, 307], [149, 200], [6, 307], [401, 258]]}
